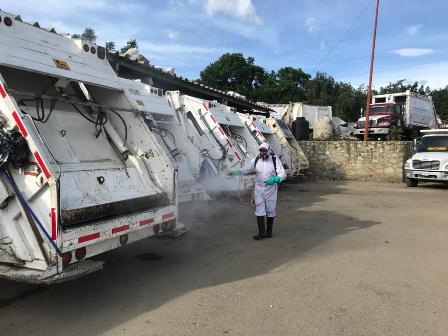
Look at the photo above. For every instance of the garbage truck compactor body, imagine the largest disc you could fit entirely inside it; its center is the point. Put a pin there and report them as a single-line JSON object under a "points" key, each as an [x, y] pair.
{"points": [[300, 161], [81, 171], [220, 153], [288, 154], [263, 131], [175, 134]]}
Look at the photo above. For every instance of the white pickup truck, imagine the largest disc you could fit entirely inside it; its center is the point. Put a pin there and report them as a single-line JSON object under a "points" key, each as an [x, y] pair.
{"points": [[430, 162]]}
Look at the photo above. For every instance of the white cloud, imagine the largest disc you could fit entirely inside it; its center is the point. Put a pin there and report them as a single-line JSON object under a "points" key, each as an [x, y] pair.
{"points": [[413, 52], [311, 24], [414, 29], [172, 34], [242, 9]]}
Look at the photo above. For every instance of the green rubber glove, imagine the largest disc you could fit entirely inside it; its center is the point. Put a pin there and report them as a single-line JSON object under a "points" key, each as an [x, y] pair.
{"points": [[235, 172], [273, 180]]}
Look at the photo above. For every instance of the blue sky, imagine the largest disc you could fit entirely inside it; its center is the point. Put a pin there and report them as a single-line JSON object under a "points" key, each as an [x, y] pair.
{"points": [[412, 39]]}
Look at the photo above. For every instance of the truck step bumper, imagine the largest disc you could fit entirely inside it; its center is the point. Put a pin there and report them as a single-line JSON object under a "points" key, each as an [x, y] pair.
{"points": [[34, 277]]}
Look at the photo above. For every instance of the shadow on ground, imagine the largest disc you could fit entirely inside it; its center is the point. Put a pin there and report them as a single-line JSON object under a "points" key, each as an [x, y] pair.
{"points": [[142, 277]]}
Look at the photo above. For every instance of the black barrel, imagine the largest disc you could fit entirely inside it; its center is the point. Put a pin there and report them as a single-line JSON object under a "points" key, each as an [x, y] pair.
{"points": [[301, 128]]}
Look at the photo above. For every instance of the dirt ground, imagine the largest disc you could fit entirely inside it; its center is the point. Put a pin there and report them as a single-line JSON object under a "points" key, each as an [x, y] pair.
{"points": [[347, 258]]}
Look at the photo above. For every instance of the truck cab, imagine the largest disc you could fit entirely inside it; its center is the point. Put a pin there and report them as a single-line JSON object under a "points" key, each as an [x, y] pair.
{"points": [[382, 117], [430, 162]]}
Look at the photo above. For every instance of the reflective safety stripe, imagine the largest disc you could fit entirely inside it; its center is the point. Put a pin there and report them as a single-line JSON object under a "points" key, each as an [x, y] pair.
{"points": [[213, 118], [237, 156], [42, 165], [89, 237], [20, 124], [53, 224], [120, 229], [147, 221], [168, 215], [2, 91]]}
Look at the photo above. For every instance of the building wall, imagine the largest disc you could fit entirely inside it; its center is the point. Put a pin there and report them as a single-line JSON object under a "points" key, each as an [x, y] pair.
{"points": [[380, 161]]}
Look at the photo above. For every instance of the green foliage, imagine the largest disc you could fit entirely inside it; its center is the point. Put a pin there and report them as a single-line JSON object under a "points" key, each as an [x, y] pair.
{"points": [[132, 43], [89, 35], [76, 36], [395, 133], [440, 98], [234, 72], [110, 46], [401, 86]]}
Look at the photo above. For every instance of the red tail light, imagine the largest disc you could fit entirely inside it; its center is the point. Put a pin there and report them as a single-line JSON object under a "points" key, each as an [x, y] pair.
{"points": [[66, 258], [80, 253]]}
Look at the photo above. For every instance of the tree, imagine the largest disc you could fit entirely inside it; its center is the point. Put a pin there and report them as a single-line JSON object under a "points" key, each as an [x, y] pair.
{"points": [[402, 86], [110, 46], [233, 72], [76, 36], [440, 99], [132, 43], [89, 35], [291, 83]]}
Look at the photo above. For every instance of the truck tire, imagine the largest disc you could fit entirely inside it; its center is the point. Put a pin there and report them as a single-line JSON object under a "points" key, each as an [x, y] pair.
{"points": [[411, 182]]}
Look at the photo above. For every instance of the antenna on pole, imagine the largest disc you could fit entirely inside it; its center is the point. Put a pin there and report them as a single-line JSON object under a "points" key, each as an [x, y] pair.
{"points": [[369, 88]]}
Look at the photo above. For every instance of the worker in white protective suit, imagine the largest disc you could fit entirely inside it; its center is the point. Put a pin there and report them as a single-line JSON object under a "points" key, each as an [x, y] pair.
{"points": [[269, 172]]}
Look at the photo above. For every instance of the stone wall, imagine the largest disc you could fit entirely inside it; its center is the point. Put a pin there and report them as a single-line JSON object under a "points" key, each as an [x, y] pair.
{"points": [[380, 161]]}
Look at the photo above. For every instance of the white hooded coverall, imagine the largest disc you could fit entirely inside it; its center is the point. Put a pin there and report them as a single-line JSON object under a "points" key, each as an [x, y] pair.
{"points": [[264, 170]]}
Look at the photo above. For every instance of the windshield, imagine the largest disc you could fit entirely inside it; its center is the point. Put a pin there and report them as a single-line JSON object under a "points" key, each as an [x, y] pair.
{"points": [[433, 144], [385, 109]]}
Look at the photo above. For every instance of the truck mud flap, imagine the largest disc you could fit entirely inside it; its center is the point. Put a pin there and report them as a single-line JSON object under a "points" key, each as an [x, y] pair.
{"points": [[34, 277]]}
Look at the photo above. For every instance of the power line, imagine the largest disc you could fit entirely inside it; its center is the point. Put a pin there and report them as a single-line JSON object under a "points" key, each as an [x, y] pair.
{"points": [[343, 36]]}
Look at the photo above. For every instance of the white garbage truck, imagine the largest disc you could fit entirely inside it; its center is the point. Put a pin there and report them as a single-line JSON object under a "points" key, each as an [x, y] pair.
{"points": [[81, 172], [282, 132], [398, 115], [220, 152], [286, 137], [290, 112], [176, 135], [234, 127], [430, 162]]}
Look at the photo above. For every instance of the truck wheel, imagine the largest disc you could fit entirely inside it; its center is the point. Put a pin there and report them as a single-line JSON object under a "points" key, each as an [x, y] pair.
{"points": [[411, 182]]}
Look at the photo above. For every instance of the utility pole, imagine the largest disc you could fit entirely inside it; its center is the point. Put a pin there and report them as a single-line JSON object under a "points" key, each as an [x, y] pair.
{"points": [[369, 88]]}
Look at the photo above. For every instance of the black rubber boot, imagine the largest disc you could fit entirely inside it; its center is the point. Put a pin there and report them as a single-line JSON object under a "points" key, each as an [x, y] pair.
{"points": [[270, 223], [261, 230]]}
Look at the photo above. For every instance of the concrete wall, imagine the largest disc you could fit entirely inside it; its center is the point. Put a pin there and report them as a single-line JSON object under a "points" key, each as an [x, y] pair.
{"points": [[380, 161]]}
